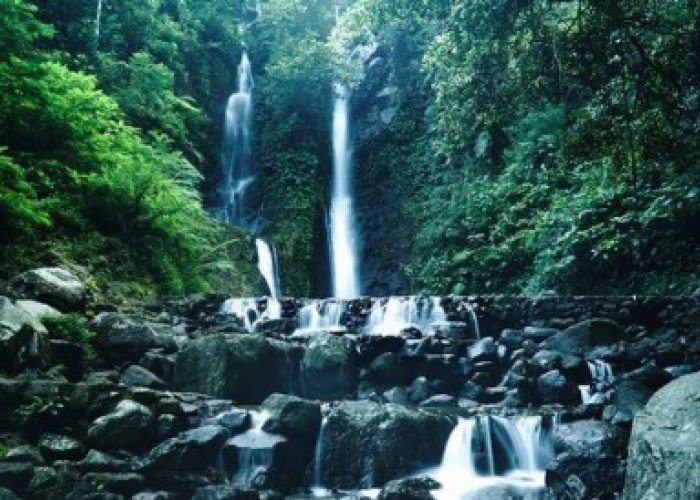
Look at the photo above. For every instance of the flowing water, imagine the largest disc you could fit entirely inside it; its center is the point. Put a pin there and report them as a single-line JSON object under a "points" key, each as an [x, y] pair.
{"points": [[248, 310], [487, 452], [255, 450], [236, 155], [267, 264], [319, 315], [396, 314], [343, 242], [601, 379]]}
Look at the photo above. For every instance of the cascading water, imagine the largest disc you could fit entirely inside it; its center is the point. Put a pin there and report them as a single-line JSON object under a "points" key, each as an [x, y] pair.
{"points": [[399, 313], [490, 451], [601, 379], [342, 231], [236, 156], [318, 455], [255, 450], [248, 311], [98, 21], [267, 264], [320, 315]]}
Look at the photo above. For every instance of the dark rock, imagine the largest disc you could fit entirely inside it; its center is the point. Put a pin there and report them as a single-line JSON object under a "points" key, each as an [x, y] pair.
{"points": [[22, 338], [679, 370], [235, 420], [154, 495], [6, 494], [329, 368], [224, 492], [367, 444], [51, 285], [578, 340], [122, 338], [24, 453], [293, 417], [126, 483], [97, 461], [129, 426], [512, 339], [138, 376], [387, 370], [420, 390], [69, 355], [409, 489], [56, 447], [42, 478], [664, 449], [396, 395], [191, 451], [167, 426], [484, 350], [553, 388], [15, 475], [592, 452], [371, 346], [545, 361], [161, 365], [223, 366], [575, 369], [538, 334]]}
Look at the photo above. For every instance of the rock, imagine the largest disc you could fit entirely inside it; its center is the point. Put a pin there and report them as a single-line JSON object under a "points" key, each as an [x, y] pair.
{"points": [[409, 489], [15, 475], [24, 453], [386, 369], [635, 389], [126, 483], [235, 420], [553, 388], [538, 334], [545, 361], [329, 368], [57, 447], [420, 390], [224, 492], [224, 366], [70, 355], [161, 365], [371, 346], [122, 339], [154, 495], [6, 494], [578, 339], [367, 444], [484, 350], [129, 426], [51, 285], [138, 376], [191, 451], [96, 461], [590, 451], [42, 478], [396, 395], [512, 339], [439, 401], [22, 338], [575, 369], [664, 449], [293, 417]]}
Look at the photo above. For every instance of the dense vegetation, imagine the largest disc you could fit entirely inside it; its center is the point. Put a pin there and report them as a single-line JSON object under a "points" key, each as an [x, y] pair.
{"points": [[531, 144]]}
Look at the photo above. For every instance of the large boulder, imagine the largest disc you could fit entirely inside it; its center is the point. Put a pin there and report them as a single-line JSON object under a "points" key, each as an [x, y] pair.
{"points": [[554, 388], [293, 417], [23, 339], [368, 444], [51, 285], [588, 457], [664, 449], [578, 339], [245, 368], [329, 367], [191, 451], [122, 338], [129, 426]]}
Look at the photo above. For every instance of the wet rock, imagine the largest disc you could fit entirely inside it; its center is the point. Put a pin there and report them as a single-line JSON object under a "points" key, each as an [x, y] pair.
{"points": [[121, 338], [224, 492], [592, 452], [512, 339], [57, 447], [97, 461], [420, 390], [223, 366], [191, 451], [484, 350], [554, 388], [409, 489], [293, 417], [129, 426], [15, 475], [126, 483], [42, 478], [386, 369], [51, 285], [161, 365], [70, 355], [538, 334], [138, 376], [396, 395], [545, 361], [329, 368], [439, 401], [371, 346], [24, 453], [235, 420], [578, 339], [664, 449], [22, 339], [367, 444]]}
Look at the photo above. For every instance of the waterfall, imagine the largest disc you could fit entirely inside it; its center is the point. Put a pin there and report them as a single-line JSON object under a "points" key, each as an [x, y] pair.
{"points": [[318, 455], [487, 451], [601, 379], [320, 315], [474, 320], [399, 313], [236, 156], [255, 450], [246, 310], [342, 231], [98, 20], [267, 264]]}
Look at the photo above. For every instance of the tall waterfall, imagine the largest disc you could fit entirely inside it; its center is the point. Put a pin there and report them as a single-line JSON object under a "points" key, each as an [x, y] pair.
{"points": [[98, 20], [343, 236], [236, 155], [267, 264]]}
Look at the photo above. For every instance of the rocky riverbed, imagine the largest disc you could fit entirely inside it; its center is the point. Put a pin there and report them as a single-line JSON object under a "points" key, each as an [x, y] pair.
{"points": [[184, 399]]}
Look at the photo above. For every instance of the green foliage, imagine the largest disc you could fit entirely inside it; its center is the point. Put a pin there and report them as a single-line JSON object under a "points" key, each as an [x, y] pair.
{"points": [[73, 328]]}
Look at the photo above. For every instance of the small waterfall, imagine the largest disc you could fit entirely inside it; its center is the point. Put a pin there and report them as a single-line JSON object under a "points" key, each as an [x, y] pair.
{"points": [[236, 155], [342, 231], [255, 450], [98, 20], [320, 315], [267, 264], [488, 451], [318, 455], [246, 309], [400, 313], [601, 378], [474, 320]]}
